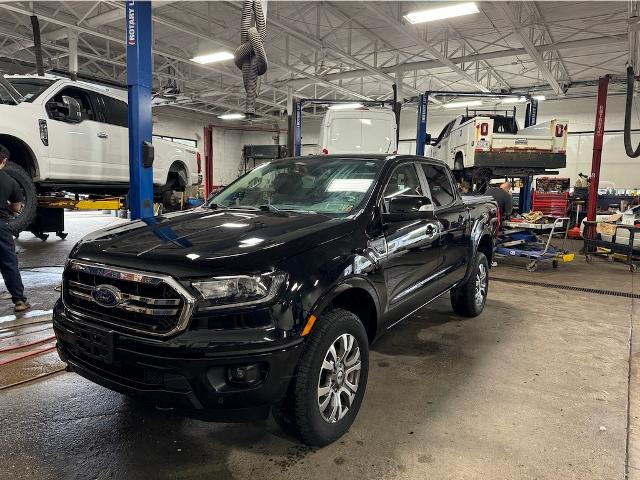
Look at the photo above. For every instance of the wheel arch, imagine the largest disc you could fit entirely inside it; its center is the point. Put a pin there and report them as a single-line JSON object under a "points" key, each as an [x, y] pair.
{"points": [[357, 296], [482, 240], [21, 154], [174, 170], [458, 160]]}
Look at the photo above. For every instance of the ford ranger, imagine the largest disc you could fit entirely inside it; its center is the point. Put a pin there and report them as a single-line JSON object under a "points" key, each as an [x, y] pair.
{"points": [[73, 136], [268, 297]]}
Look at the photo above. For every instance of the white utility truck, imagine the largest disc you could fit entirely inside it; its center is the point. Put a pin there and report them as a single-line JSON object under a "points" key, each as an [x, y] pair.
{"points": [[358, 130], [477, 145], [72, 136]]}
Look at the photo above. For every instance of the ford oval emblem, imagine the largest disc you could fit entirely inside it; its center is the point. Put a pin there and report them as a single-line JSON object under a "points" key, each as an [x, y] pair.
{"points": [[106, 296]]}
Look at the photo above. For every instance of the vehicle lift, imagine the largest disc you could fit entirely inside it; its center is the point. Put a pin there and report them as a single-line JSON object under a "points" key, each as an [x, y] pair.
{"points": [[50, 213], [50, 210], [531, 116]]}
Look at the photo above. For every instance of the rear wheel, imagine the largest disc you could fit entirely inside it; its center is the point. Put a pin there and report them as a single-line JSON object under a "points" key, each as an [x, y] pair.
{"points": [[331, 379], [469, 298], [21, 221]]}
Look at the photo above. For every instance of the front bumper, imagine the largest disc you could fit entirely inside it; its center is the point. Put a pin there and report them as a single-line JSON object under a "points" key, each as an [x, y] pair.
{"points": [[191, 381]]}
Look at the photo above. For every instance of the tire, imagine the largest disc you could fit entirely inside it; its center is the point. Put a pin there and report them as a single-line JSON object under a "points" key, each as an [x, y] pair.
{"points": [[463, 297], [25, 218], [300, 412]]}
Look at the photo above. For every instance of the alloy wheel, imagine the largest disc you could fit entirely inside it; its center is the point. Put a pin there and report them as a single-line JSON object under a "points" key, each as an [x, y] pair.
{"points": [[481, 285], [339, 378]]}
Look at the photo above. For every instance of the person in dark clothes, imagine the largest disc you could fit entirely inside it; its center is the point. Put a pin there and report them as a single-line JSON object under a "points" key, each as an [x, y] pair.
{"points": [[10, 202], [502, 196]]}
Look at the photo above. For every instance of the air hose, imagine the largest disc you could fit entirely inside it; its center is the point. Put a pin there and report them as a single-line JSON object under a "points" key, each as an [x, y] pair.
{"points": [[627, 116], [250, 56]]}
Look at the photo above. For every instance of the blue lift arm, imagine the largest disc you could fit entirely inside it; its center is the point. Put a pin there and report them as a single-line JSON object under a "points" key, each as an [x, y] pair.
{"points": [[139, 82]]}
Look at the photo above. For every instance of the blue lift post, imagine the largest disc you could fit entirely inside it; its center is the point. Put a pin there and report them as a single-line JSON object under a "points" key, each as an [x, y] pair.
{"points": [[139, 82], [421, 129], [530, 118]]}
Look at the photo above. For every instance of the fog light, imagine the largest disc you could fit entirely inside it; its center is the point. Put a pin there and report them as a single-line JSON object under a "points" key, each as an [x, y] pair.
{"points": [[244, 374]]}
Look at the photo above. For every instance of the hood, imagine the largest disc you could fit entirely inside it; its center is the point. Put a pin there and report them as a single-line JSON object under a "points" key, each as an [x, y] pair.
{"points": [[219, 239]]}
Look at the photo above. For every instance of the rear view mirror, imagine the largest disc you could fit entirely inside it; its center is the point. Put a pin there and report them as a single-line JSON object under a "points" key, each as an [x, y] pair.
{"points": [[68, 110], [73, 113], [404, 208], [427, 139]]}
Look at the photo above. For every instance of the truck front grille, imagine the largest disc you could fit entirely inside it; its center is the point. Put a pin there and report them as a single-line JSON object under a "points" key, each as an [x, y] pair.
{"points": [[127, 300]]}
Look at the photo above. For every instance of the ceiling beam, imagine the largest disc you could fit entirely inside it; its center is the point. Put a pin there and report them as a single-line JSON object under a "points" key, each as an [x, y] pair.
{"points": [[534, 6], [401, 28], [512, 18], [60, 33], [620, 40]]}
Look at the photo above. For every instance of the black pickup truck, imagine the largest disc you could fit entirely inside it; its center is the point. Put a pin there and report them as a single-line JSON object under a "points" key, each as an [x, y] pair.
{"points": [[268, 297]]}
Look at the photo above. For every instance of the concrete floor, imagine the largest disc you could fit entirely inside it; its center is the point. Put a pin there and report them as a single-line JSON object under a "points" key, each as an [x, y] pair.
{"points": [[536, 387]]}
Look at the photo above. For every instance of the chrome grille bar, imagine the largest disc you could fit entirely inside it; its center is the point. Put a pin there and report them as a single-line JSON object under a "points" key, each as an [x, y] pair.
{"points": [[130, 297], [154, 312]]}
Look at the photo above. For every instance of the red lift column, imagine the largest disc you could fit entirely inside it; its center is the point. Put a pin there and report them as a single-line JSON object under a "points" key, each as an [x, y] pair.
{"points": [[208, 161], [598, 134]]}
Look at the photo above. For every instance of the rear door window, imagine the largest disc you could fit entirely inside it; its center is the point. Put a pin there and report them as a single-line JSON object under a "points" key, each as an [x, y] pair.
{"points": [[116, 111]]}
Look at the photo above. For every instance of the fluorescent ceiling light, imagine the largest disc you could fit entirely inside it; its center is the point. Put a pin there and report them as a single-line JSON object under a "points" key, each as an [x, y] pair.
{"points": [[514, 100], [213, 57], [540, 98], [231, 116], [345, 106], [472, 103], [450, 11]]}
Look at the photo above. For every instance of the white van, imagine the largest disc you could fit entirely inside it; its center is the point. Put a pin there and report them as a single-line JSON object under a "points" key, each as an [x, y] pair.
{"points": [[358, 131]]}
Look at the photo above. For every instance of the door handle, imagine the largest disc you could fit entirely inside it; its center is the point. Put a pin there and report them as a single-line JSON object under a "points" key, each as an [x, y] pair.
{"points": [[102, 135]]}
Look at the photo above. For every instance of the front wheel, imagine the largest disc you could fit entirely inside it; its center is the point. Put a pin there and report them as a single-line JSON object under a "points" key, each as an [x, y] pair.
{"points": [[470, 298], [330, 382]]}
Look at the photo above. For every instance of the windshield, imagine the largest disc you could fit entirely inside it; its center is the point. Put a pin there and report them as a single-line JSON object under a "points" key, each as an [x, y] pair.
{"points": [[315, 184], [30, 88]]}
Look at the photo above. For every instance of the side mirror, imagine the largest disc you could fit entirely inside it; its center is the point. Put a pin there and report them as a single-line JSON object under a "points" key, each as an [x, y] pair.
{"points": [[427, 139], [73, 113], [402, 209]]}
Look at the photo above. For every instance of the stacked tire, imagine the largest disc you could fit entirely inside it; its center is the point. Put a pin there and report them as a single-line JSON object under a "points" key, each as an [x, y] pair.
{"points": [[25, 218]]}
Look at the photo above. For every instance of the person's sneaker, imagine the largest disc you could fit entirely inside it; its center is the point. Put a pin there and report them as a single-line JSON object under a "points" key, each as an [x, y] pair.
{"points": [[21, 306], [5, 296]]}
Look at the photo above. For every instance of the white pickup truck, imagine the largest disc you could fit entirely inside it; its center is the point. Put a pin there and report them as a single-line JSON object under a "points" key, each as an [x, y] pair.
{"points": [[479, 145], [72, 136]]}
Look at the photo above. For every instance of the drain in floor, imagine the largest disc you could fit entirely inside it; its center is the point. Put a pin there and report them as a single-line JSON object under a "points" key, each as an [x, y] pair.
{"points": [[596, 291]]}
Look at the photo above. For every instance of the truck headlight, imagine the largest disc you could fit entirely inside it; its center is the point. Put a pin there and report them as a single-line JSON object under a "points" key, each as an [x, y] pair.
{"points": [[240, 290]]}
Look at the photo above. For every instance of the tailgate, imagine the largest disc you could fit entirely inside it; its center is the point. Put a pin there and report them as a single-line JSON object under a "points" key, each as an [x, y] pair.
{"points": [[503, 142]]}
